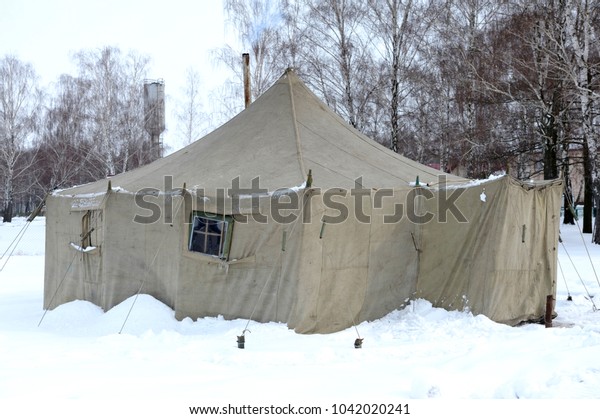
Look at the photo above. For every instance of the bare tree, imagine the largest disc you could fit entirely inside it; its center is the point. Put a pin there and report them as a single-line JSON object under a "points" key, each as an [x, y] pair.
{"points": [[402, 27], [521, 70], [478, 85], [20, 103], [338, 57], [468, 22], [581, 36], [115, 107], [190, 118], [137, 149], [293, 34], [64, 157], [257, 24], [576, 56], [550, 88]]}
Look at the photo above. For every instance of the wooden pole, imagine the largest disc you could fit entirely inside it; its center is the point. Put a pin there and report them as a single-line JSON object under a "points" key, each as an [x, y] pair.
{"points": [[549, 309]]}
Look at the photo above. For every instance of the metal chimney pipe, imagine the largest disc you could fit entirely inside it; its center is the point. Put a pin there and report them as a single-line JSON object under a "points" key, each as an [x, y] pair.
{"points": [[247, 94]]}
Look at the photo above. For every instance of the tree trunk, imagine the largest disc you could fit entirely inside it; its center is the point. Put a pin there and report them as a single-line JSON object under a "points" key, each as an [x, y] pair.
{"points": [[395, 101], [588, 189], [394, 110], [550, 150], [596, 234], [8, 212], [568, 216], [550, 133]]}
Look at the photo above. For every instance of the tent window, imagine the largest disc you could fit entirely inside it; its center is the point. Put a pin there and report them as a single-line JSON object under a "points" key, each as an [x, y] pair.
{"points": [[89, 224], [211, 234]]}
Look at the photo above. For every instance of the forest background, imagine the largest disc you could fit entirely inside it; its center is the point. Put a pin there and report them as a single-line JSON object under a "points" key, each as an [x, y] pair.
{"points": [[472, 87]]}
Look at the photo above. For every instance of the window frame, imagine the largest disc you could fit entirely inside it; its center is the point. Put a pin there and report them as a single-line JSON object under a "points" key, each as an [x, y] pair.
{"points": [[91, 228], [224, 237]]}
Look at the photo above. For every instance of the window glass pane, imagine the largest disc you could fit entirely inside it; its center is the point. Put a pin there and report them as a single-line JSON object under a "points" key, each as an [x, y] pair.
{"points": [[210, 234]]}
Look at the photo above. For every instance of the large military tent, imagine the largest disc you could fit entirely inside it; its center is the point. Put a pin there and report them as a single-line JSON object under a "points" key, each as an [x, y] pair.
{"points": [[233, 225]]}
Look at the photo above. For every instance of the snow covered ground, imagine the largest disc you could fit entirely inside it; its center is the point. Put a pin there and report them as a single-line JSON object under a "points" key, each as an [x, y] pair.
{"points": [[75, 362]]}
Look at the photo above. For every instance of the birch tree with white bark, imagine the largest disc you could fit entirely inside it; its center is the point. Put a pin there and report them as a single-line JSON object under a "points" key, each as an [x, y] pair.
{"points": [[191, 120], [115, 106], [20, 107], [584, 72]]}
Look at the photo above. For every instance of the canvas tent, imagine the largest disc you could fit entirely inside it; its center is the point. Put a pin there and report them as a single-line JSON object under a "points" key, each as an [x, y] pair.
{"points": [[229, 226]]}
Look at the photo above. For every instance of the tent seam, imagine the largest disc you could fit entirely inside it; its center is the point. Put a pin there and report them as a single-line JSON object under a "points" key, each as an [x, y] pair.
{"points": [[296, 131]]}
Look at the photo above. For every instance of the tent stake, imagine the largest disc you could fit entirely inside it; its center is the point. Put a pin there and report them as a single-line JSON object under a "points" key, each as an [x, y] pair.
{"points": [[241, 340]]}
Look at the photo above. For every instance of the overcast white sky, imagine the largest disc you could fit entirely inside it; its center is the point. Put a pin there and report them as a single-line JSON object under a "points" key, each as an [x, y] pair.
{"points": [[176, 34]]}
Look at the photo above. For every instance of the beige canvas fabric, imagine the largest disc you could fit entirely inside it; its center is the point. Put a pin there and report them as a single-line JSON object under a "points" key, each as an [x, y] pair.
{"points": [[314, 273], [283, 134], [503, 259]]}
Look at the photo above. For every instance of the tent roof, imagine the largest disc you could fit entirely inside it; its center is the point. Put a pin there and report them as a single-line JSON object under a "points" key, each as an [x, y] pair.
{"points": [[280, 137]]}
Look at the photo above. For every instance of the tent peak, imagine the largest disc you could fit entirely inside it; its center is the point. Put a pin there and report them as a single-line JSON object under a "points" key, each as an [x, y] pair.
{"points": [[289, 70]]}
